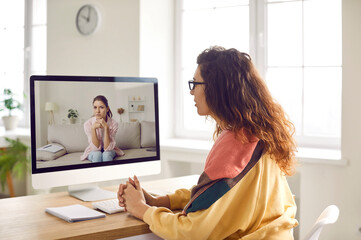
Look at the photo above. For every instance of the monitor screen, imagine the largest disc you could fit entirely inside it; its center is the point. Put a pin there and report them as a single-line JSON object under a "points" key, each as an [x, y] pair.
{"points": [[68, 112]]}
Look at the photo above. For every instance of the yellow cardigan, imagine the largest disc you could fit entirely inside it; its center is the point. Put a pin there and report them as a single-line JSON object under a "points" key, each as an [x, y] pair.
{"points": [[260, 206]]}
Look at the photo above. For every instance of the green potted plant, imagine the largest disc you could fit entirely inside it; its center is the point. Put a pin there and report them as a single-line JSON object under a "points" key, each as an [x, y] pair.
{"points": [[13, 161], [10, 103], [73, 115]]}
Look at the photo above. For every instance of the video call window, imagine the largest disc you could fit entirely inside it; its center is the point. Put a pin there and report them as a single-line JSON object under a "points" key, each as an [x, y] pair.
{"points": [[65, 112]]}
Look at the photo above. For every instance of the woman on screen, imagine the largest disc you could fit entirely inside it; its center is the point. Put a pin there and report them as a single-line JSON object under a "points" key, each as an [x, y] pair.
{"points": [[243, 192], [100, 130]]}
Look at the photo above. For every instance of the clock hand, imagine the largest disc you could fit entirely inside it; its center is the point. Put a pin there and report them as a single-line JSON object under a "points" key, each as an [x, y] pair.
{"points": [[84, 18], [88, 14]]}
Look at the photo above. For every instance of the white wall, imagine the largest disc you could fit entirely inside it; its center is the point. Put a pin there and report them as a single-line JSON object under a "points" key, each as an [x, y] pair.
{"points": [[113, 50], [151, 33]]}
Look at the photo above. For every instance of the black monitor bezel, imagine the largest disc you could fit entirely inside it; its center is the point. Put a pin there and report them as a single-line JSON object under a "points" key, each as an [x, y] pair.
{"points": [[85, 79]]}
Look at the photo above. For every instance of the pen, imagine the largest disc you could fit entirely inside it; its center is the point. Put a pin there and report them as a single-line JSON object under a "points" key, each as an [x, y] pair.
{"points": [[47, 146]]}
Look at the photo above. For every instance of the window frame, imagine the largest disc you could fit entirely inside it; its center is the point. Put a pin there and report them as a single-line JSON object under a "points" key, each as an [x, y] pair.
{"points": [[27, 60]]}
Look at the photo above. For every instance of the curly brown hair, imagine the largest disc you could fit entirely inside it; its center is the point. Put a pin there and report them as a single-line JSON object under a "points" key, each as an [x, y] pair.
{"points": [[238, 98]]}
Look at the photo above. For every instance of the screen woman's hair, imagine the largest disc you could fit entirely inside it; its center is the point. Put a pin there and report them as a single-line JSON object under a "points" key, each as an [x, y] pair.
{"points": [[105, 101]]}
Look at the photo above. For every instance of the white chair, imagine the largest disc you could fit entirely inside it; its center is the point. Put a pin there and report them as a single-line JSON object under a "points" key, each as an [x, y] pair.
{"points": [[328, 216]]}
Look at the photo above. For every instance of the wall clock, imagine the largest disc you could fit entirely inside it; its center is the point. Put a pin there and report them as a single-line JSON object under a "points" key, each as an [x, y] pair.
{"points": [[87, 19]]}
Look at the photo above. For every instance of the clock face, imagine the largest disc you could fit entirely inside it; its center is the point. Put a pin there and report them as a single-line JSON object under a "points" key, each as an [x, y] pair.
{"points": [[87, 19]]}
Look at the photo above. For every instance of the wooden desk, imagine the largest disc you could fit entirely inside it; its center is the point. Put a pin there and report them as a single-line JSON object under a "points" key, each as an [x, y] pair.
{"points": [[25, 217]]}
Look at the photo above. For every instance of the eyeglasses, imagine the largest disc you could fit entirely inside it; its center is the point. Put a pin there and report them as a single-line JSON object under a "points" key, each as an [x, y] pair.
{"points": [[192, 84]]}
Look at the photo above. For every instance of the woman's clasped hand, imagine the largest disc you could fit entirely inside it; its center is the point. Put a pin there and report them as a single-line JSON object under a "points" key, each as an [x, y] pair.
{"points": [[132, 198]]}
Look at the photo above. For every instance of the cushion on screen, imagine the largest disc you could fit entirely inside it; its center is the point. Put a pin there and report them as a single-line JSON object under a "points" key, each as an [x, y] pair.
{"points": [[128, 135], [147, 134]]}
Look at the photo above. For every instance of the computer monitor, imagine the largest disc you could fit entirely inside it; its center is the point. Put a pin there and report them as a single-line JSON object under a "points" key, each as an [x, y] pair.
{"points": [[59, 141]]}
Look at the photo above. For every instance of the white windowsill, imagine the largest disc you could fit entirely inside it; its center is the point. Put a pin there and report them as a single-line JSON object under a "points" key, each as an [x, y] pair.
{"points": [[319, 155], [304, 155], [18, 132]]}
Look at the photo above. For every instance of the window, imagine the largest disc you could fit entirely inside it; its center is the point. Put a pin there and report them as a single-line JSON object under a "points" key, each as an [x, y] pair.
{"points": [[296, 46], [23, 48], [12, 15], [303, 66]]}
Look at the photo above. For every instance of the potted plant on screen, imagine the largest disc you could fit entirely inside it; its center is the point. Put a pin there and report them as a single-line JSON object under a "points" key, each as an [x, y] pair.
{"points": [[73, 115], [14, 161], [10, 103]]}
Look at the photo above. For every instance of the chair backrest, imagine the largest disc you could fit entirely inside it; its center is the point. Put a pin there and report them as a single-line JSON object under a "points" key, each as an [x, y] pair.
{"points": [[328, 216]]}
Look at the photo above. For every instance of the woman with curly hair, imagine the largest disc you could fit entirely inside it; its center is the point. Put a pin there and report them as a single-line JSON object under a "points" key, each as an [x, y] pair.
{"points": [[243, 192]]}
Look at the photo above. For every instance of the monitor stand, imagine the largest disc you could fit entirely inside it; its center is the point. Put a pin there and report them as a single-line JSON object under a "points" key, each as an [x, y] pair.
{"points": [[90, 193]]}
